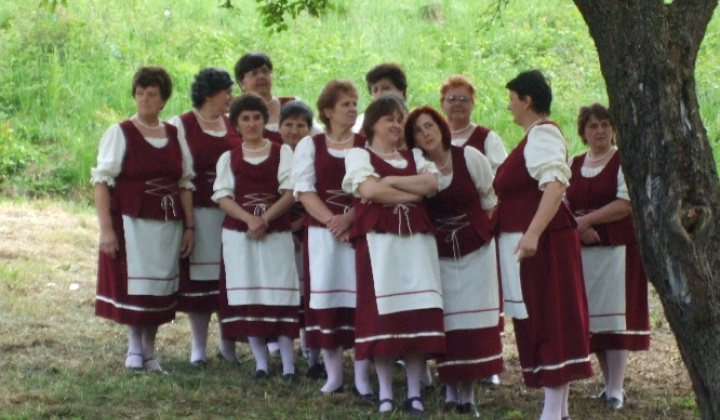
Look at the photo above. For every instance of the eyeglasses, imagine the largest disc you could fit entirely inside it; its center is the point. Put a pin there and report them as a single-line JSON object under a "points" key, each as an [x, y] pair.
{"points": [[462, 99], [262, 70]]}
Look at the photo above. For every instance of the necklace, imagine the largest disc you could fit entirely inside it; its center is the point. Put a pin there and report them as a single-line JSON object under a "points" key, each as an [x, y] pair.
{"points": [[142, 124], [461, 130], [205, 120], [327, 137], [541, 119], [447, 162], [394, 150], [247, 149], [593, 160]]}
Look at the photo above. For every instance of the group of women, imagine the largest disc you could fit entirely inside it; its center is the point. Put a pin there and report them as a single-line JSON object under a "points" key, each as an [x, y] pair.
{"points": [[414, 234]]}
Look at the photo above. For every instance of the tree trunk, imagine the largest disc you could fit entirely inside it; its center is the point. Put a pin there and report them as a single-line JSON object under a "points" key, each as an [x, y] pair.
{"points": [[647, 53]]}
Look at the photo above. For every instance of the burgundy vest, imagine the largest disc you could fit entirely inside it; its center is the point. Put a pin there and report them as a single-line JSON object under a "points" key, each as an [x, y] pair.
{"points": [[205, 150], [147, 184], [477, 138], [588, 194], [381, 218], [457, 213], [519, 196], [329, 173], [256, 188]]}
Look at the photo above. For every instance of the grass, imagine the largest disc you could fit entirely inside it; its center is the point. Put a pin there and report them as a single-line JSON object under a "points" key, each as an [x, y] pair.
{"points": [[66, 75], [57, 360]]}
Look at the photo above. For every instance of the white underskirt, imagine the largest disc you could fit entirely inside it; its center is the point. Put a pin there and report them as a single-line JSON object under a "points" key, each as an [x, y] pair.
{"points": [[510, 275], [205, 259], [604, 272], [153, 255], [332, 270]]}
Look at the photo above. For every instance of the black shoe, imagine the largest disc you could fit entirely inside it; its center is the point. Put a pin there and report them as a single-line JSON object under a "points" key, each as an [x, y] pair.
{"points": [[412, 411], [338, 390], [614, 403], [369, 397], [393, 407], [565, 418], [317, 372], [221, 357], [260, 375], [468, 408], [201, 363], [290, 378]]}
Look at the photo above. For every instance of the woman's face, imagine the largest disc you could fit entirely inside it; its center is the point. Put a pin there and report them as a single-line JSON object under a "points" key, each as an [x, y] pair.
{"points": [[427, 134], [344, 113], [294, 129], [148, 101], [598, 133], [458, 103], [382, 87], [388, 130], [258, 81], [220, 100], [250, 125], [517, 107]]}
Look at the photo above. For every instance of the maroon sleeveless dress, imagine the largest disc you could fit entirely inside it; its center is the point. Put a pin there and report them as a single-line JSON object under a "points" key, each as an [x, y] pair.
{"points": [[201, 295], [585, 195], [144, 170], [553, 342]]}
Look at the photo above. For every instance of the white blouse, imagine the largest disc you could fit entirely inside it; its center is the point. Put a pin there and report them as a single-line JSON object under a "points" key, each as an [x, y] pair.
{"points": [[225, 180], [481, 174], [494, 149], [112, 151], [303, 169], [546, 155], [358, 168]]}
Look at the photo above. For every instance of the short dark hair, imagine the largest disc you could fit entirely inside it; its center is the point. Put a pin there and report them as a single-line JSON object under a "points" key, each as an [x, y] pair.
{"points": [[330, 95], [153, 76], [533, 83], [296, 108], [247, 102], [600, 112], [249, 62], [208, 82], [446, 136], [390, 71], [380, 107]]}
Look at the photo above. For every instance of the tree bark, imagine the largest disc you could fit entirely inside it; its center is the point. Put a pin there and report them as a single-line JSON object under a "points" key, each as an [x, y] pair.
{"points": [[647, 53]]}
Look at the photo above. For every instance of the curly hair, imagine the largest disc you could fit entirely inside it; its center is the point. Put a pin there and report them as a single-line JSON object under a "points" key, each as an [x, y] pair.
{"points": [[208, 82], [153, 76]]}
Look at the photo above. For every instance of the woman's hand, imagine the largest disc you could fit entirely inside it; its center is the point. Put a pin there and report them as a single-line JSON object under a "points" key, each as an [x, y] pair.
{"points": [[188, 243], [256, 227], [339, 224], [590, 236], [527, 246], [582, 224], [108, 243]]}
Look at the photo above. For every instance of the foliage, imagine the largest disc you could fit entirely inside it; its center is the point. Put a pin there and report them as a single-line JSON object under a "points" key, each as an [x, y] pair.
{"points": [[274, 12], [66, 74]]}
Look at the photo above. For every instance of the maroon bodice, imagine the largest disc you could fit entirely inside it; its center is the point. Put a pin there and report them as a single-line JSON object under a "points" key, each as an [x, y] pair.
{"points": [[519, 195], [586, 195], [477, 138], [256, 188], [401, 219], [205, 150], [462, 224], [329, 173], [147, 186]]}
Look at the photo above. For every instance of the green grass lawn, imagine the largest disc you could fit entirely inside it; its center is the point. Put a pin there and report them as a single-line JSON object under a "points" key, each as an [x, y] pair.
{"points": [[65, 77]]}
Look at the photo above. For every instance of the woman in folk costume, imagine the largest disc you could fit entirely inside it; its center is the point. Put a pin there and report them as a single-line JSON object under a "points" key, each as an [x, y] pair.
{"points": [[143, 197], [461, 211], [330, 293], [615, 281], [208, 134], [259, 289], [399, 301], [539, 249]]}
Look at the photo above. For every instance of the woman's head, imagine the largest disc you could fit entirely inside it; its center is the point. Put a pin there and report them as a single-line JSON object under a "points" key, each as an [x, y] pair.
{"points": [[386, 77], [207, 83], [253, 73], [248, 102], [595, 117], [457, 83], [532, 83], [153, 76], [296, 119], [422, 122], [384, 106], [331, 95]]}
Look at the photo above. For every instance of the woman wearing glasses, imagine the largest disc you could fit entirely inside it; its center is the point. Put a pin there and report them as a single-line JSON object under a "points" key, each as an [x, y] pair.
{"points": [[457, 98]]}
